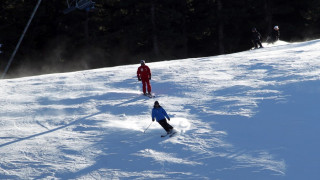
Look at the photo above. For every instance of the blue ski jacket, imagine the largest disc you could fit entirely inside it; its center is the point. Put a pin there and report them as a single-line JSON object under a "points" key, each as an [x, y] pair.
{"points": [[159, 113]]}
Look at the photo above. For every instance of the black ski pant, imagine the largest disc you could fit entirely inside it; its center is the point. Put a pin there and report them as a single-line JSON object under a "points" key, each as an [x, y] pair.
{"points": [[256, 43], [165, 125]]}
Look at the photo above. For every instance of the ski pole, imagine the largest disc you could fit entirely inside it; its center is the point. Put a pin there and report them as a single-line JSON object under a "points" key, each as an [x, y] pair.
{"points": [[147, 127]]}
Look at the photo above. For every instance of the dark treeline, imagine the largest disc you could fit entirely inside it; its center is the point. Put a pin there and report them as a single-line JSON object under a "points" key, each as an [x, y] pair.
{"points": [[119, 32]]}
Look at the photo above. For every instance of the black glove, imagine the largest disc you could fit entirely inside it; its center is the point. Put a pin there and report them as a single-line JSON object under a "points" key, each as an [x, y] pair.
{"points": [[152, 119], [139, 79], [150, 78], [169, 119]]}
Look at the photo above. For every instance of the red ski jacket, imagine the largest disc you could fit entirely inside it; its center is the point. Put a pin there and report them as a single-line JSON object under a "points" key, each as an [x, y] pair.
{"points": [[144, 72]]}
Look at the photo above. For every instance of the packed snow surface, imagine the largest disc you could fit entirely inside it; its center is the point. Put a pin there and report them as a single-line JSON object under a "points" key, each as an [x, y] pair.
{"points": [[248, 115]]}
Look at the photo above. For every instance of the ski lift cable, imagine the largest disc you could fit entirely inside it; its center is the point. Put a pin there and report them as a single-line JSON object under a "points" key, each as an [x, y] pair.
{"points": [[21, 38]]}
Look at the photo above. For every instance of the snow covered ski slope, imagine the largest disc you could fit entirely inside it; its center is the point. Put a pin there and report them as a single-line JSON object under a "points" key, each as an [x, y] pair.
{"points": [[248, 115]]}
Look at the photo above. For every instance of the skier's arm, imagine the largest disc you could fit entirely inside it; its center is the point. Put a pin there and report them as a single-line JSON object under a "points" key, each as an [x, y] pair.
{"points": [[149, 73], [138, 74], [165, 114], [152, 115]]}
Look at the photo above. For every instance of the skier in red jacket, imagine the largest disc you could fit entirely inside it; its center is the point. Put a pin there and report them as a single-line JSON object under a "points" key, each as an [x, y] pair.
{"points": [[144, 75]]}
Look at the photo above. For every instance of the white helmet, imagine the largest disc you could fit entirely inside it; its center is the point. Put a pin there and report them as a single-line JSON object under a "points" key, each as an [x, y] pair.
{"points": [[276, 27], [142, 61]]}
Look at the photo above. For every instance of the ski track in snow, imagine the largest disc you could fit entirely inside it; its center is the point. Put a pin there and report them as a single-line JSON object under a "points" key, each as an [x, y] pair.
{"points": [[90, 124]]}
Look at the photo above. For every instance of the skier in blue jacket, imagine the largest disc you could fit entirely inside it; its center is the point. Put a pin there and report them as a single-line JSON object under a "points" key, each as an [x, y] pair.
{"points": [[160, 115]]}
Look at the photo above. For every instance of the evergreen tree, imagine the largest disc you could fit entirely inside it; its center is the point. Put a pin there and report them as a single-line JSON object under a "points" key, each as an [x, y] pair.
{"points": [[121, 32]]}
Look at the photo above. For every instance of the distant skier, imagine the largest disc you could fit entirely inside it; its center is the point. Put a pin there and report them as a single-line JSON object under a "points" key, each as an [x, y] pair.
{"points": [[256, 38], [144, 75], [160, 115], [275, 35]]}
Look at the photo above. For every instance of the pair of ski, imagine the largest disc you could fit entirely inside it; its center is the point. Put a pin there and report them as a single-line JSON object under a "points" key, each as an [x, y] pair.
{"points": [[149, 95], [170, 135]]}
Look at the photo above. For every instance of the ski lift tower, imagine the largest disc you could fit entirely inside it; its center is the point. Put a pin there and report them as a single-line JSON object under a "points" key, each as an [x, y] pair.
{"points": [[86, 5]]}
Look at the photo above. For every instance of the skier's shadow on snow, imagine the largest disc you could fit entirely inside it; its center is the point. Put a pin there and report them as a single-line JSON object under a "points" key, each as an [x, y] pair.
{"points": [[73, 102], [49, 131]]}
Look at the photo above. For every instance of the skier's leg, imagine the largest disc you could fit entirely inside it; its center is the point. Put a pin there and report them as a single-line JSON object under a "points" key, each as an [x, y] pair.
{"points": [[164, 124], [169, 126], [143, 85], [148, 86], [254, 44]]}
